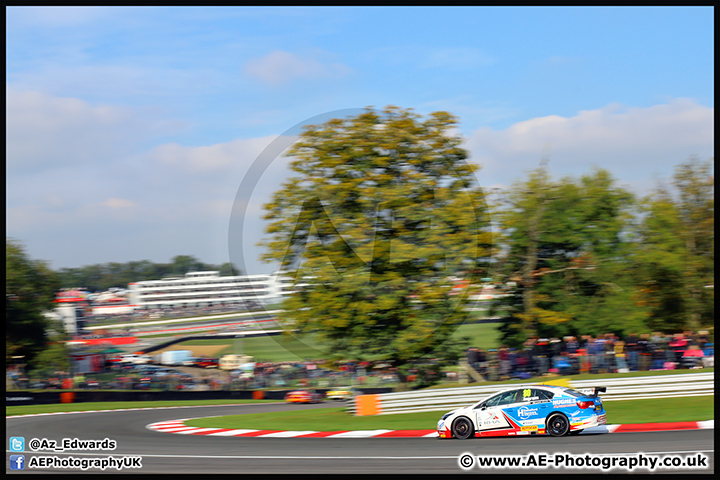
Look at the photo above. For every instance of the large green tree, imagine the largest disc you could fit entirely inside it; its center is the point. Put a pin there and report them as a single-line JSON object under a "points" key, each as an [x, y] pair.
{"points": [[382, 217], [675, 252], [56, 355], [565, 252], [30, 288]]}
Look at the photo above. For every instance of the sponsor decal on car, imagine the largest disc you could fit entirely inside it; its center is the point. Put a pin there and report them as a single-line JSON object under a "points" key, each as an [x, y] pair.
{"points": [[526, 412]]}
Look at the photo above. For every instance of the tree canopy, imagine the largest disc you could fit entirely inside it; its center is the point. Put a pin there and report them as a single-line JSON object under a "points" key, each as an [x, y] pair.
{"points": [[675, 249], [381, 218], [566, 252]]}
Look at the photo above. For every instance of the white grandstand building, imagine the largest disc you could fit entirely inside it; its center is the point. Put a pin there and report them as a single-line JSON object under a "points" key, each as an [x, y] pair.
{"points": [[207, 289]]}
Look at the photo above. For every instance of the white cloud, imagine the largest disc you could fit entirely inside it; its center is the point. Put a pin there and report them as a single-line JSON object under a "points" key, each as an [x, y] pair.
{"points": [[48, 17], [44, 131], [148, 82], [118, 203], [635, 144], [280, 67], [208, 160]]}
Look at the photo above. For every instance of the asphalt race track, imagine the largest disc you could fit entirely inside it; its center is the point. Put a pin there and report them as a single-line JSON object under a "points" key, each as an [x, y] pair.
{"points": [[171, 453]]}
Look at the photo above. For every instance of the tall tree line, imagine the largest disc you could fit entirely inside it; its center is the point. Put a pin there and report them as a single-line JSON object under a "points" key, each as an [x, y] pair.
{"points": [[102, 276], [31, 286], [586, 256]]}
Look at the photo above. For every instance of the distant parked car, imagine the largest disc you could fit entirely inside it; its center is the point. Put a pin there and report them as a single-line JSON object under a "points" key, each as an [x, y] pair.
{"points": [[137, 359], [206, 362], [190, 362]]}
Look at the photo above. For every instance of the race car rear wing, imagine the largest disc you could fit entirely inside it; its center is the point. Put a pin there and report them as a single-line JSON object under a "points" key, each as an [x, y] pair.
{"points": [[593, 391]]}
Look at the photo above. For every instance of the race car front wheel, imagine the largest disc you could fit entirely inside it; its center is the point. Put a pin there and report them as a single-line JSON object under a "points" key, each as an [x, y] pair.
{"points": [[462, 428], [557, 425]]}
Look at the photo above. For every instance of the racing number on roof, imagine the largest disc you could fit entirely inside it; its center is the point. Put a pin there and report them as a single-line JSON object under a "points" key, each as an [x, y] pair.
{"points": [[535, 394]]}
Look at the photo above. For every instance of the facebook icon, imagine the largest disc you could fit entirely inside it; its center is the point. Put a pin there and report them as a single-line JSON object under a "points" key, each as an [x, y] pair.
{"points": [[17, 462]]}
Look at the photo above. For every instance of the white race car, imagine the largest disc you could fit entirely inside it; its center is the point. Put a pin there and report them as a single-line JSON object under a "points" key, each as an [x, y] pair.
{"points": [[527, 410]]}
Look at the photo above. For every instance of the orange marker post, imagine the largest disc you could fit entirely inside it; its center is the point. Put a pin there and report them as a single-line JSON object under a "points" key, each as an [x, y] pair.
{"points": [[367, 405]]}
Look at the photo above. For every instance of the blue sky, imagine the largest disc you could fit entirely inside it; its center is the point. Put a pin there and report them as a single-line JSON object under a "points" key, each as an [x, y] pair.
{"points": [[130, 130]]}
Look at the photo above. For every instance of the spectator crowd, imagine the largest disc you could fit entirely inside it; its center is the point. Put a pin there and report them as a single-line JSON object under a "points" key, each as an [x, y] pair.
{"points": [[595, 354], [537, 357]]}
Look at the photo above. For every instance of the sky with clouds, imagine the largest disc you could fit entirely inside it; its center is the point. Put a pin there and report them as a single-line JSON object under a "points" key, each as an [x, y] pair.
{"points": [[131, 132]]}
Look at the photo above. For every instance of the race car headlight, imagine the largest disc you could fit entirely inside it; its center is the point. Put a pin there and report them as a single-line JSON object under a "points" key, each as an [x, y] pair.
{"points": [[446, 415]]}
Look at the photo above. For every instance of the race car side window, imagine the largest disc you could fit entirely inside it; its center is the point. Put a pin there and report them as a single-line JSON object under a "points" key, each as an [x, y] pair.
{"points": [[534, 395], [542, 394], [504, 398]]}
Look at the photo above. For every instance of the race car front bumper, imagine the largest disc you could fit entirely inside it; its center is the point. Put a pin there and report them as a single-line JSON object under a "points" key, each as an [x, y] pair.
{"points": [[443, 430]]}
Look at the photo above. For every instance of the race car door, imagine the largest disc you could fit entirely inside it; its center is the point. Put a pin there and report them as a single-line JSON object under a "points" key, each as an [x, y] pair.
{"points": [[489, 414], [530, 410]]}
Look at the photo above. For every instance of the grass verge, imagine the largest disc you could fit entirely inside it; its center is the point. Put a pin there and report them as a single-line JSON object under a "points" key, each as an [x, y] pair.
{"points": [[661, 410], [82, 407]]}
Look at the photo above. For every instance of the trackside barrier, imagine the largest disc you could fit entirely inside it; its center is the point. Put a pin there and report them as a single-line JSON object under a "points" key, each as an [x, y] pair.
{"points": [[632, 388], [67, 397]]}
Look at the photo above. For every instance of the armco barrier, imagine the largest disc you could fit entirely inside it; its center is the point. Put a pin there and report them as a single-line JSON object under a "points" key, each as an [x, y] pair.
{"points": [[661, 386]]}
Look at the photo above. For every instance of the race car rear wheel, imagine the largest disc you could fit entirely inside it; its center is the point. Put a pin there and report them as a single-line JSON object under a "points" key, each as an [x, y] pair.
{"points": [[557, 425], [462, 428]]}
